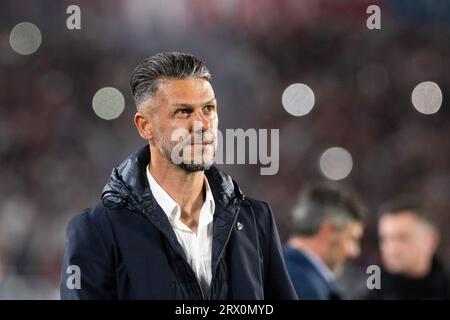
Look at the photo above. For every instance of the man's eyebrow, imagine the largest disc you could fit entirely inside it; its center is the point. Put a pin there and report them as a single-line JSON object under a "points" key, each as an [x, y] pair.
{"points": [[188, 105]]}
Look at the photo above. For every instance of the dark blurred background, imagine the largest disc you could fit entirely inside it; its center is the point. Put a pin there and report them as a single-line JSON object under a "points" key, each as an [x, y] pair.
{"points": [[56, 153]]}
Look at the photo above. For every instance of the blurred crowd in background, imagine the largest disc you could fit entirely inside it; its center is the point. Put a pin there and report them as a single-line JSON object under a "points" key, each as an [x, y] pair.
{"points": [[56, 153]]}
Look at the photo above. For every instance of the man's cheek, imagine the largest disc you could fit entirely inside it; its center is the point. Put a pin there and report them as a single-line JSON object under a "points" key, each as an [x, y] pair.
{"points": [[178, 135]]}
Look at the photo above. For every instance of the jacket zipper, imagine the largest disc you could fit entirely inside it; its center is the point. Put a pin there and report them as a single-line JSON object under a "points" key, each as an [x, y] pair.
{"points": [[124, 200], [221, 253], [189, 266]]}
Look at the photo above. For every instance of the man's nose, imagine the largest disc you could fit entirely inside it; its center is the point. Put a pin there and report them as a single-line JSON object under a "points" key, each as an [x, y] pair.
{"points": [[356, 251], [200, 123], [353, 251]]}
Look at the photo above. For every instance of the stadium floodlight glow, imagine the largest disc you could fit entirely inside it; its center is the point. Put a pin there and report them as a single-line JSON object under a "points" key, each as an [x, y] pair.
{"points": [[427, 97], [108, 103], [25, 38], [336, 163], [298, 99]]}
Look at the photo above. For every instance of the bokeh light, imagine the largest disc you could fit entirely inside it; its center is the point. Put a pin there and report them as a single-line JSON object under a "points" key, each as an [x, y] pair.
{"points": [[298, 99], [108, 103], [25, 38], [336, 163], [427, 97]]}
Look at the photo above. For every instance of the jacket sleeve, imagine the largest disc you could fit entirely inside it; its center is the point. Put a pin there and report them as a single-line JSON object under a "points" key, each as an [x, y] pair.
{"points": [[278, 284], [88, 270]]}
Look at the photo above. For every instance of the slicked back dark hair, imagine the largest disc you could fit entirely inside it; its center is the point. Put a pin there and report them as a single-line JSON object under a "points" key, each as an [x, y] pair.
{"points": [[165, 65]]}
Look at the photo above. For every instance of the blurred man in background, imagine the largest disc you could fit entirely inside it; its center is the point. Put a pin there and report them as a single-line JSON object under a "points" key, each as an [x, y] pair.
{"points": [[327, 228], [409, 239]]}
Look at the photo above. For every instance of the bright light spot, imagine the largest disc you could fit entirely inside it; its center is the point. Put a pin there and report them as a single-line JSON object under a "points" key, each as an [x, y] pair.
{"points": [[25, 38], [427, 97], [336, 163], [298, 99], [108, 103]]}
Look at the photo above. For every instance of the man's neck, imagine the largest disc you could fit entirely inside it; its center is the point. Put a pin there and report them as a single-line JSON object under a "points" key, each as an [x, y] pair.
{"points": [[186, 188], [307, 244], [313, 248]]}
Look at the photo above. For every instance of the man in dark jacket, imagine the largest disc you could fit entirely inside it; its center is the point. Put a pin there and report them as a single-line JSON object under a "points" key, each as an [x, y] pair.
{"points": [[327, 225], [409, 238], [170, 224]]}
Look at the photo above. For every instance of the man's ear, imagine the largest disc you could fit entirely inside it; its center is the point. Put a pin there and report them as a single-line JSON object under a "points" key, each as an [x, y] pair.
{"points": [[144, 126]]}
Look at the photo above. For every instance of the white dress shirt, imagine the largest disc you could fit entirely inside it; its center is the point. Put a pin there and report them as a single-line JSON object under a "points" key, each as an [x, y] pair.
{"points": [[197, 247]]}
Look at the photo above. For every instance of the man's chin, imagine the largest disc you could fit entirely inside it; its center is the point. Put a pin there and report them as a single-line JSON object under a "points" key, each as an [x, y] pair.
{"points": [[195, 163], [394, 269], [194, 167]]}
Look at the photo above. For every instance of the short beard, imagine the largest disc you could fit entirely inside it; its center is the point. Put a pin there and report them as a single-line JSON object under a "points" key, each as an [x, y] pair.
{"points": [[165, 148], [192, 167]]}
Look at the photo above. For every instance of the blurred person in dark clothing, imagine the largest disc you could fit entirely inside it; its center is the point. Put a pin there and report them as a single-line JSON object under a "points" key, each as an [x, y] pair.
{"points": [[409, 238], [327, 224], [171, 225]]}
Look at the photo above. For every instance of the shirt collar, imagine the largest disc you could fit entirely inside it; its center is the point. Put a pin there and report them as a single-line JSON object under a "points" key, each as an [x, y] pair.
{"points": [[172, 209], [209, 199]]}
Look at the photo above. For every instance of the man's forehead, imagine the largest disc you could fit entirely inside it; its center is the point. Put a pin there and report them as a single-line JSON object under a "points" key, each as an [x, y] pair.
{"points": [[183, 92], [399, 222], [404, 216], [191, 102], [194, 89]]}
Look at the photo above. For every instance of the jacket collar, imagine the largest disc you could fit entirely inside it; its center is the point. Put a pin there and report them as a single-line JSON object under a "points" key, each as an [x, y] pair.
{"points": [[128, 186], [128, 183], [303, 258]]}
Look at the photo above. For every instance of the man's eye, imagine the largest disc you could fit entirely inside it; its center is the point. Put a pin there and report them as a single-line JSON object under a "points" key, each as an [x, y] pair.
{"points": [[182, 111], [209, 108]]}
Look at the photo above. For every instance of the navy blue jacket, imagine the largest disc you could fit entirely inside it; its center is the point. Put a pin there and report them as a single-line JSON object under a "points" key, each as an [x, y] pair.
{"points": [[125, 247], [309, 283]]}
